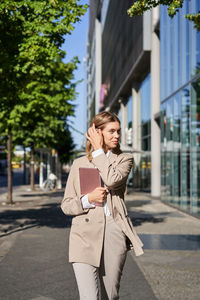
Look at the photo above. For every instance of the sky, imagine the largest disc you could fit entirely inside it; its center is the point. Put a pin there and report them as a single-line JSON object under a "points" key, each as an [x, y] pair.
{"points": [[75, 45]]}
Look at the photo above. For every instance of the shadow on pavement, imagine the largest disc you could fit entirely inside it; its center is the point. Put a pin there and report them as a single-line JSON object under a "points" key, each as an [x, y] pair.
{"points": [[49, 195], [138, 219], [137, 203], [48, 214]]}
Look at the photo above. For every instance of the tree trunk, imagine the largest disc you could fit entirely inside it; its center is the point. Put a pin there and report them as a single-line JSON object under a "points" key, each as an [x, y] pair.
{"points": [[24, 165], [32, 168], [9, 161]]}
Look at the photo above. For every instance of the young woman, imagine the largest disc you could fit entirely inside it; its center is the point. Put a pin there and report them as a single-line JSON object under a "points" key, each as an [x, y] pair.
{"points": [[101, 231]]}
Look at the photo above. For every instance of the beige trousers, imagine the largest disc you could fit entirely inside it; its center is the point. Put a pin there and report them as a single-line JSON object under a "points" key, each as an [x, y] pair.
{"points": [[108, 275]]}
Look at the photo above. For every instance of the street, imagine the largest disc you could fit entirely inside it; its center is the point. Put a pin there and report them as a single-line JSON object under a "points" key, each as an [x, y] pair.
{"points": [[34, 250], [18, 178]]}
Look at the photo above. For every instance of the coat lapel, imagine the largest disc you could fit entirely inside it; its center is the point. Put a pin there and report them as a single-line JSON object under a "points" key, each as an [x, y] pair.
{"points": [[112, 157]]}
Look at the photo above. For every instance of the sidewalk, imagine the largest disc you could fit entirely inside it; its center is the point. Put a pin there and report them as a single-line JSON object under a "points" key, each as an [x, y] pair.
{"points": [[170, 265], [33, 253], [12, 217]]}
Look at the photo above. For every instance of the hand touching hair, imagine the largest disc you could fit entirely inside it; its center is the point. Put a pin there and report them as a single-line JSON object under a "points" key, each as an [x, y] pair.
{"points": [[94, 135]]}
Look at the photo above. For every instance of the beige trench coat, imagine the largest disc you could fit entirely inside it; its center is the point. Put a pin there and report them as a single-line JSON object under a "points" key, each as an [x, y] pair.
{"points": [[87, 230]]}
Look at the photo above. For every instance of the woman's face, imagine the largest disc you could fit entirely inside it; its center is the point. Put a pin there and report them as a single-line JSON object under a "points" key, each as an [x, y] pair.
{"points": [[111, 134]]}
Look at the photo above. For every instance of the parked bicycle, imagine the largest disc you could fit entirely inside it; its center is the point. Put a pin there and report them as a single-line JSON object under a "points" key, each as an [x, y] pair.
{"points": [[50, 183]]}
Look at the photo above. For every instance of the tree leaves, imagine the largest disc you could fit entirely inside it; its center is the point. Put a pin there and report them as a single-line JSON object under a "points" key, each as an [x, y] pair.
{"points": [[36, 85], [139, 7]]}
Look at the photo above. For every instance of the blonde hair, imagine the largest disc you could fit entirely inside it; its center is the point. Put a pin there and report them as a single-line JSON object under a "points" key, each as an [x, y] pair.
{"points": [[100, 120]]}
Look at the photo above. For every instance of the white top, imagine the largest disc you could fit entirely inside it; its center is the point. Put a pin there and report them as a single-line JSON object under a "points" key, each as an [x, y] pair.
{"points": [[84, 199]]}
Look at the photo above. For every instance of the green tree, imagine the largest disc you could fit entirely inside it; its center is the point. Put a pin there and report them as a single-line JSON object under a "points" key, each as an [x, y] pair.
{"points": [[44, 107], [139, 7], [63, 144], [34, 95]]}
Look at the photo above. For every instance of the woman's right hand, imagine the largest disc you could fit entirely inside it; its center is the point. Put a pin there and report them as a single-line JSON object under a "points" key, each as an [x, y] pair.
{"points": [[98, 196], [95, 137]]}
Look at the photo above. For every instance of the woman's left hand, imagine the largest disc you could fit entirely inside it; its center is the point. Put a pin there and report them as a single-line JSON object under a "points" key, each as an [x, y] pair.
{"points": [[95, 137]]}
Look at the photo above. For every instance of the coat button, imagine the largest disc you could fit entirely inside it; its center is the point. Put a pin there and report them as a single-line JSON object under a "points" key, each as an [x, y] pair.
{"points": [[86, 220]]}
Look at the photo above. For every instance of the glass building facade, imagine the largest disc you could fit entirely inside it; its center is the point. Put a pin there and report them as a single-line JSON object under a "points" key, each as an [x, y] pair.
{"points": [[180, 109]]}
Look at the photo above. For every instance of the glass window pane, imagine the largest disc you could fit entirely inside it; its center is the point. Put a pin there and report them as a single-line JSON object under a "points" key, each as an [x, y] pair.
{"points": [[163, 153], [169, 125], [163, 42], [145, 172], [177, 121], [185, 149], [185, 180], [163, 126], [184, 39], [146, 99], [185, 118], [177, 178], [176, 52], [194, 41], [168, 56], [163, 175], [169, 173], [130, 111], [195, 147]]}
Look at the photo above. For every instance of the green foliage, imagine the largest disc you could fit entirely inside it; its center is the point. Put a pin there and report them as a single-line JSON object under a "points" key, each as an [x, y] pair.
{"points": [[63, 144], [139, 7], [195, 19], [17, 159], [36, 85]]}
